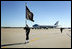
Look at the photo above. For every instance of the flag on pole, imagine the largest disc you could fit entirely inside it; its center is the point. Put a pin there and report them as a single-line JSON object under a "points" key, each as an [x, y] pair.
{"points": [[29, 14]]}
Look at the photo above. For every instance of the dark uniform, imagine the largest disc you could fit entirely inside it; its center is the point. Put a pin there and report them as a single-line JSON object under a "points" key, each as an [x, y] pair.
{"points": [[27, 32], [61, 29]]}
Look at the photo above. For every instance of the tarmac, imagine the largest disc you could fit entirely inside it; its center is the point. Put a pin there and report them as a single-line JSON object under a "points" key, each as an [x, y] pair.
{"points": [[39, 38]]}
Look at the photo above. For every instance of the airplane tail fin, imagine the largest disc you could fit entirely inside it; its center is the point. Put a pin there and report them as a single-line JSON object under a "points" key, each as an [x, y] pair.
{"points": [[56, 23]]}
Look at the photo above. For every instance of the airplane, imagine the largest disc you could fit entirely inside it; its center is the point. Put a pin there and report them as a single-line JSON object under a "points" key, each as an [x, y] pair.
{"points": [[36, 26]]}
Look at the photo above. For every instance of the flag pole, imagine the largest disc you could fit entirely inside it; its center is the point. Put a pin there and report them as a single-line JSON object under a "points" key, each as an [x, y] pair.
{"points": [[25, 14]]}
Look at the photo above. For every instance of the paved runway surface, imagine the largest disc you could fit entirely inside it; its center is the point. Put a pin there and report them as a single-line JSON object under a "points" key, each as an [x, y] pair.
{"points": [[39, 38]]}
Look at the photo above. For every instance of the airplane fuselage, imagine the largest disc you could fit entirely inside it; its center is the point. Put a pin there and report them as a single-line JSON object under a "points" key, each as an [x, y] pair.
{"points": [[44, 26]]}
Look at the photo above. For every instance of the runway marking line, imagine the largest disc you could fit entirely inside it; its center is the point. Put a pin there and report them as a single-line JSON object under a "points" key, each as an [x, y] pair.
{"points": [[34, 39], [30, 41], [4, 47]]}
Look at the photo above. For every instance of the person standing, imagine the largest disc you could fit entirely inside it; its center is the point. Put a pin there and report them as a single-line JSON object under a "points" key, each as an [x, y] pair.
{"points": [[61, 29], [27, 33]]}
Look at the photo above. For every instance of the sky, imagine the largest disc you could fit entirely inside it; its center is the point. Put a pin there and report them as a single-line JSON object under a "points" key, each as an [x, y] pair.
{"points": [[45, 13]]}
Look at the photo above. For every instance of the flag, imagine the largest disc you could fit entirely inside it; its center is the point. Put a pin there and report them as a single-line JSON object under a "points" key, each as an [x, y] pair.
{"points": [[29, 14]]}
